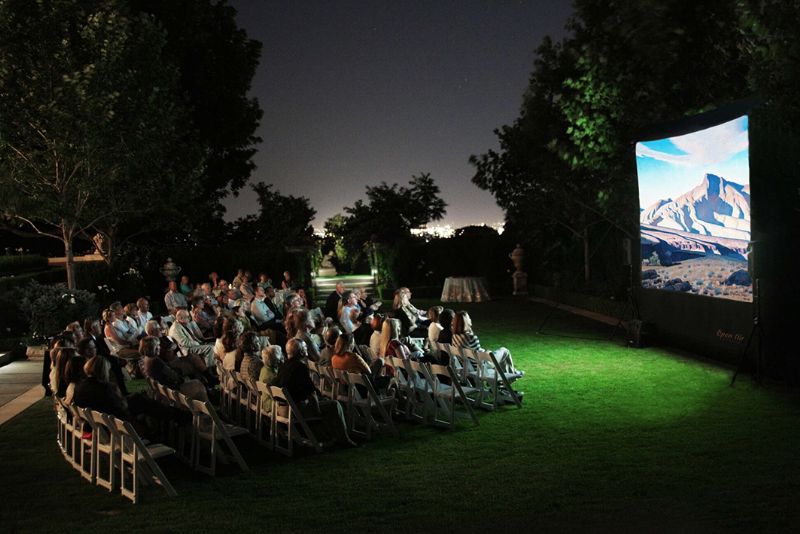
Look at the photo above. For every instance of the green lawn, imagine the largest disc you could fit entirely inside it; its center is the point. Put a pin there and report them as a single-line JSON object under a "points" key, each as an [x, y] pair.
{"points": [[608, 438]]}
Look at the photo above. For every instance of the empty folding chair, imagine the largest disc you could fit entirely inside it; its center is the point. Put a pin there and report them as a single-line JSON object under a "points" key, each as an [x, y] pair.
{"points": [[137, 461], [365, 402], [496, 384], [210, 431], [449, 395], [104, 449]]}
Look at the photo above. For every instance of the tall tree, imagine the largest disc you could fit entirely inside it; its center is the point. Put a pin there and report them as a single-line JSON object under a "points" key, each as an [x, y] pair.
{"points": [[281, 220], [91, 124]]}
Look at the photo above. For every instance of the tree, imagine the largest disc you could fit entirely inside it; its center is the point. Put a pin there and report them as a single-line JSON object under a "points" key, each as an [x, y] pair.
{"points": [[282, 220], [91, 124], [389, 214]]}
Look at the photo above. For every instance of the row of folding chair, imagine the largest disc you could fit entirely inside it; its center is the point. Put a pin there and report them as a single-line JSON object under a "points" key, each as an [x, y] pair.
{"points": [[480, 369], [109, 452], [209, 439], [366, 411], [281, 427]]}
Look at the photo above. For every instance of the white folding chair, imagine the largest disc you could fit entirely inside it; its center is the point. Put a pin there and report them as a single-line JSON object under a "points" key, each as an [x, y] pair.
{"points": [[290, 425], [136, 460], [82, 451], [364, 403], [66, 429], [401, 381], [449, 394], [264, 416], [367, 353], [103, 446], [496, 384], [209, 429], [422, 386]]}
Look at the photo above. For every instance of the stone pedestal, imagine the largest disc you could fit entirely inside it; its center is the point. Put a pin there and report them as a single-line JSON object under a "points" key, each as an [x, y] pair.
{"points": [[520, 280]]}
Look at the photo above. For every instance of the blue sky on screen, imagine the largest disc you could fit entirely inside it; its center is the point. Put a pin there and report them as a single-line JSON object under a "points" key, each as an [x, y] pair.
{"points": [[670, 167]]}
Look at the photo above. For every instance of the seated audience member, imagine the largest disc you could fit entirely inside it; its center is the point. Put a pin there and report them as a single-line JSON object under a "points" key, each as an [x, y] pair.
{"points": [[434, 329], [304, 326], [237, 280], [307, 303], [294, 378], [99, 395], [246, 288], [349, 313], [270, 302], [291, 301], [234, 298], [156, 369], [392, 346], [213, 279], [142, 314], [376, 323], [192, 365], [271, 358], [463, 336], [76, 329], [60, 354], [346, 360], [330, 337], [446, 321], [95, 332], [188, 340], [174, 299], [221, 289], [186, 287], [332, 303], [263, 281], [118, 335], [202, 318], [287, 282], [250, 363], [264, 317], [209, 299], [131, 313], [412, 320], [73, 375], [231, 342], [365, 302]]}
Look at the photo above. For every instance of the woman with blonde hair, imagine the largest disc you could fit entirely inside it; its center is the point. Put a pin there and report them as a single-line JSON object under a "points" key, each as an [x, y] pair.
{"points": [[413, 321], [464, 337]]}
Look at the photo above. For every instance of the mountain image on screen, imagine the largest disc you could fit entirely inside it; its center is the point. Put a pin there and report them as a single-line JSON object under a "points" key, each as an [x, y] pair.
{"points": [[698, 241]]}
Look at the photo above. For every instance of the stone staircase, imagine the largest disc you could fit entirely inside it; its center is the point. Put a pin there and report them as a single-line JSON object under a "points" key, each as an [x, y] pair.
{"points": [[324, 285]]}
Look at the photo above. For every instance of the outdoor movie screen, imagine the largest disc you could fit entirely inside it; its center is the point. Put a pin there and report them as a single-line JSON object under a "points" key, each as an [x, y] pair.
{"points": [[694, 212]]}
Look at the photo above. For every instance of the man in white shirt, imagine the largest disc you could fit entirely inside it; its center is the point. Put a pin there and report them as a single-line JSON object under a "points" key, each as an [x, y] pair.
{"points": [[261, 313], [143, 313], [187, 340], [174, 299]]}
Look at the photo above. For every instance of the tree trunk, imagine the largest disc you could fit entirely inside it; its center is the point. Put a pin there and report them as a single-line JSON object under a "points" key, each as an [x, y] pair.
{"points": [[68, 254], [586, 271]]}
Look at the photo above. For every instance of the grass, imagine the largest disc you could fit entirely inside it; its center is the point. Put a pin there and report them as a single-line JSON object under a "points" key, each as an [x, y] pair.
{"points": [[608, 438]]}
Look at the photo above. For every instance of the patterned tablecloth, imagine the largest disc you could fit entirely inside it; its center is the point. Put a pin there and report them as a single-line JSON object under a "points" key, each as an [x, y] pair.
{"points": [[465, 289]]}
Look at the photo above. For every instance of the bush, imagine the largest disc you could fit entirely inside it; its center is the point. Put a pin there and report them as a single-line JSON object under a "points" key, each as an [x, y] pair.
{"points": [[50, 276], [21, 264], [49, 308]]}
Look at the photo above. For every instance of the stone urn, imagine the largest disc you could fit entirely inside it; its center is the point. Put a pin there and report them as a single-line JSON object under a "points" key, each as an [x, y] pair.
{"points": [[170, 270]]}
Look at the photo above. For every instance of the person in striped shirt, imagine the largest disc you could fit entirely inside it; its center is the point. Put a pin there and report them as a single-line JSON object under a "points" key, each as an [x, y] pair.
{"points": [[464, 337]]}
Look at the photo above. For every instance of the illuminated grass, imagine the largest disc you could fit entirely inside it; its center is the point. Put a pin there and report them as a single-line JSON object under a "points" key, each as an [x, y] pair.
{"points": [[608, 437]]}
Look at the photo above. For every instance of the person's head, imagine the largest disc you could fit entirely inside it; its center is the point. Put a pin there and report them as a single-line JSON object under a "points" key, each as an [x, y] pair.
{"points": [[130, 309], [219, 326], [272, 356], [434, 312], [152, 328], [109, 316], [446, 318], [296, 348], [87, 347], [76, 328], [344, 343], [92, 326], [303, 322], [213, 276], [289, 323], [198, 303], [249, 343], [377, 322], [92, 367], [149, 346], [231, 294], [270, 291], [206, 289], [260, 293], [143, 305], [173, 285], [262, 277], [184, 280], [183, 317], [223, 286], [462, 322], [331, 335], [301, 292], [402, 296], [349, 298], [246, 277], [118, 309], [68, 337], [240, 272], [340, 287]]}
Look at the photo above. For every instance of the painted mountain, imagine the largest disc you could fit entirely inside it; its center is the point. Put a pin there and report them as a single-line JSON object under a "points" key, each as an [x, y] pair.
{"points": [[698, 242]]}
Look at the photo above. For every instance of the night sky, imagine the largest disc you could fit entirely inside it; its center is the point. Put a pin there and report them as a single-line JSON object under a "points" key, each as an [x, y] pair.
{"points": [[359, 92]]}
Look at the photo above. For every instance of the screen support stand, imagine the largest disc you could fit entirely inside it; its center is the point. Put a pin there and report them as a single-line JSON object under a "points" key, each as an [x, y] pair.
{"points": [[630, 305], [754, 332]]}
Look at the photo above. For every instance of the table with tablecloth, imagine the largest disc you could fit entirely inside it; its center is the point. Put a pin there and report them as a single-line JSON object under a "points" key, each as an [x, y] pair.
{"points": [[465, 289]]}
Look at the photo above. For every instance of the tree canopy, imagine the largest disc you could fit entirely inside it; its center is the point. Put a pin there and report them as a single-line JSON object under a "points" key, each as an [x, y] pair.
{"points": [[282, 220]]}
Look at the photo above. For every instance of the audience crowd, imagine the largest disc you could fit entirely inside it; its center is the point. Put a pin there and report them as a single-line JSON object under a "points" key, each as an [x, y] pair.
{"points": [[267, 334]]}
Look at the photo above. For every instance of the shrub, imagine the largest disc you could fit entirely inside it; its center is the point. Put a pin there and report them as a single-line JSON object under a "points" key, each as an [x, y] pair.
{"points": [[20, 264], [49, 308]]}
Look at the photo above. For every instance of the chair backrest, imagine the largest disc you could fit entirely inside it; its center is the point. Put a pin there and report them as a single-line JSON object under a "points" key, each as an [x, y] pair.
{"points": [[402, 370]]}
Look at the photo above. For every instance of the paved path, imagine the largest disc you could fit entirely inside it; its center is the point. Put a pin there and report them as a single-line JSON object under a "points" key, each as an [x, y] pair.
{"points": [[19, 387]]}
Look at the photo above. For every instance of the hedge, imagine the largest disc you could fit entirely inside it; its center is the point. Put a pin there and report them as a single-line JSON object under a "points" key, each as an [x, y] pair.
{"points": [[22, 264]]}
